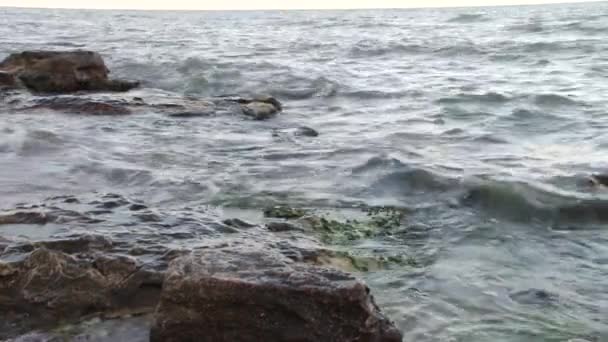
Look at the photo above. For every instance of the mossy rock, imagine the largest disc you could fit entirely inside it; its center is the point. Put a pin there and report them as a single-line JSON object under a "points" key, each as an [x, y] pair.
{"points": [[379, 221]]}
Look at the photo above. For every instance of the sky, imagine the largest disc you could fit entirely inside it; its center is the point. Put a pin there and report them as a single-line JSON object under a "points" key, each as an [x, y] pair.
{"points": [[262, 4]]}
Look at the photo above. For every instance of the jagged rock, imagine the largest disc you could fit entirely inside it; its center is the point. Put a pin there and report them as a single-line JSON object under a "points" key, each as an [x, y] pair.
{"points": [[49, 286], [252, 295], [62, 71]]}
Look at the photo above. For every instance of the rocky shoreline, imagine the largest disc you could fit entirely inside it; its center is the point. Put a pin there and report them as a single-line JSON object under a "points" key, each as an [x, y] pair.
{"points": [[240, 282]]}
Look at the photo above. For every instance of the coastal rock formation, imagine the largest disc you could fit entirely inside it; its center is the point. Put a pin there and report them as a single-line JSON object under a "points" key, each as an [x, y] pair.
{"points": [[255, 295], [61, 72], [48, 285]]}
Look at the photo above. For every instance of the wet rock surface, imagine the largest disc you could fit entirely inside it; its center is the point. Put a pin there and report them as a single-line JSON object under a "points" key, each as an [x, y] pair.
{"points": [[253, 295], [188, 268], [62, 72]]}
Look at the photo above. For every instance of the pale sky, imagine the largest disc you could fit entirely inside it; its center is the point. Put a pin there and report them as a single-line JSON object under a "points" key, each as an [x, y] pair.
{"points": [[262, 4]]}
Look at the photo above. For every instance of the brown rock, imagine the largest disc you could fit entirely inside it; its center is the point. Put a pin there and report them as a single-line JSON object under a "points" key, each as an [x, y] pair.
{"points": [[247, 295], [62, 71], [48, 286], [7, 80], [77, 105]]}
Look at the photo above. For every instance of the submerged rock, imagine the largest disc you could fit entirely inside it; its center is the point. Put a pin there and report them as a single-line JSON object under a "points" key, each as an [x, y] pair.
{"points": [[254, 295], [62, 72], [77, 105]]}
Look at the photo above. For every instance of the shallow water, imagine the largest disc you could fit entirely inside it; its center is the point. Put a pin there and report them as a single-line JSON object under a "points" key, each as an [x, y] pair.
{"points": [[483, 122]]}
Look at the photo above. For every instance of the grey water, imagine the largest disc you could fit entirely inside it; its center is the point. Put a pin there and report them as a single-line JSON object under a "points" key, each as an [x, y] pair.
{"points": [[483, 122]]}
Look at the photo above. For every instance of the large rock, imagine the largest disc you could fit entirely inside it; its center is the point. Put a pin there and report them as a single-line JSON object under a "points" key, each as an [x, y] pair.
{"points": [[62, 71], [48, 286], [252, 295]]}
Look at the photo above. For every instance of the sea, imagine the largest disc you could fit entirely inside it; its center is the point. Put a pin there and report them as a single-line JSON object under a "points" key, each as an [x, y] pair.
{"points": [[485, 124]]}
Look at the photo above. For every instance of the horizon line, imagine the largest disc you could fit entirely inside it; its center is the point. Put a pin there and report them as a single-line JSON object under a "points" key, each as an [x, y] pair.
{"points": [[558, 2]]}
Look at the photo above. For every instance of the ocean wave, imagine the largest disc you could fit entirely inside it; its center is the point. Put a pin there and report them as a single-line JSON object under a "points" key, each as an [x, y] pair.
{"points": [[490, 97], [555, 100], [392, 176], [115, 175], [29, 142], [468, 18], [375, 48], [526, 202], [296, 88]]}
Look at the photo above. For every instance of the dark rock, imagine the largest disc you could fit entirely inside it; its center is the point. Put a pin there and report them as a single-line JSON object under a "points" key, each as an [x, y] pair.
{"points": [[599, 179], [62, 71], [137, 207], [306, 132], [252, 295], [238, 223], [281, 227], [77, 105]]}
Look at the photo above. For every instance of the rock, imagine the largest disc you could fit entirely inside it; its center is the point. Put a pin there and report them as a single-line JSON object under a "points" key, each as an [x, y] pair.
{"points": [[62, 71], [49, 286], [259, 110], [7, 80], [306, 132], [77, 105], [281, 227], [295, 132], [599, 180], [238, 223], [254, 295]]}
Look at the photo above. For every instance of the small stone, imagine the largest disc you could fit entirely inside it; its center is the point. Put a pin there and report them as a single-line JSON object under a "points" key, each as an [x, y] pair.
{"points": [[306, 132], [137, 207]]}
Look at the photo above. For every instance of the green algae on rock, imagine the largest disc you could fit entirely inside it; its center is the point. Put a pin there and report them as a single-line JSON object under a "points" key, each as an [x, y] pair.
{"points": [[380, 220]]}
